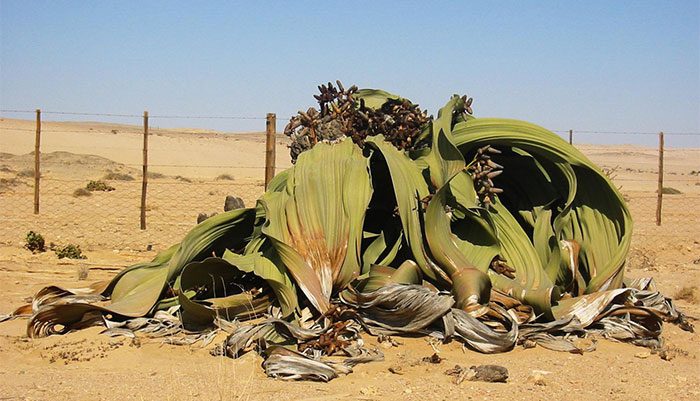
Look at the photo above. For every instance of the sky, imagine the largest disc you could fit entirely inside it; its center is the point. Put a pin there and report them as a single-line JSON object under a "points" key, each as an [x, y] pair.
{"points": [[611, 66]]}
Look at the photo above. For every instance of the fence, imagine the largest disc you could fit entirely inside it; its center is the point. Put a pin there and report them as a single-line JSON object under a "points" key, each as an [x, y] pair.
{"points": [[156, 181], [162, 178]]}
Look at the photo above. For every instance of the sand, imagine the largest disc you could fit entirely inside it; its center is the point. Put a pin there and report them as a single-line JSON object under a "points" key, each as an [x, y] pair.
{"points": [[88, 366]]}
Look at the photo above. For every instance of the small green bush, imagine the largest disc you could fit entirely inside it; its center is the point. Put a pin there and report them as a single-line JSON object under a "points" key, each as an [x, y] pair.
{"points": [[69, 251], [99, 186], [35, 242]]}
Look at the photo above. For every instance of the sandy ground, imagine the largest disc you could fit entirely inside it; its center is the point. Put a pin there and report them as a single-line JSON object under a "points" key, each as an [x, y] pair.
{"points": [[89, 366]]}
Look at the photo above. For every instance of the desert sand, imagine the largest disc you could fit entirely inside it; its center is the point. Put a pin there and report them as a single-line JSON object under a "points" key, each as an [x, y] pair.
{"points": [[191, 166]]}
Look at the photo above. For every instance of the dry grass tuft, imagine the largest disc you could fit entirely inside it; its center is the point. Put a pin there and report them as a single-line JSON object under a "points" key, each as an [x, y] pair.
{"points": [[83, 272], [119, 177], [6, 183], [224, 177], [81, 192], [154, 175], [642, 258], [670, 191], [689, 294], [26, 173]]}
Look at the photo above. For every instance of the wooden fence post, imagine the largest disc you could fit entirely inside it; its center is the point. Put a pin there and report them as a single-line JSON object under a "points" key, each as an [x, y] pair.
{"points": [[37, 158], [571, 137], [270, 129], [660, 188], [144, 183]]}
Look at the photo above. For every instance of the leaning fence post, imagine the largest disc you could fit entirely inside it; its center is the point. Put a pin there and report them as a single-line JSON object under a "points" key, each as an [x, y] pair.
{"points": [[37, 157], [571, 137], [660, 188], [144, 182], [270, 129]]}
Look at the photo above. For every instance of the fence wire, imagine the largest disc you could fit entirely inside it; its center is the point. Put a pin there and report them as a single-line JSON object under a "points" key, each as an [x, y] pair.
{"points": [[178, 190]]}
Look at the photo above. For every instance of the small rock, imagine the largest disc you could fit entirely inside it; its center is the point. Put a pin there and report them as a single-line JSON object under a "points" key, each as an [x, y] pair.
{"points": [[396, 369], [387, 341], [408, 391], [489, 373], [484, 373], [386, 345], [434, 358], [203, 216], [666, 355], [369, 390], [642, 355], [233, 202]]}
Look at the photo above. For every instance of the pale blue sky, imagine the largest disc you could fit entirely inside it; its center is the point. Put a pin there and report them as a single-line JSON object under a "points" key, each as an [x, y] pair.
{"points": [[586, 65]]}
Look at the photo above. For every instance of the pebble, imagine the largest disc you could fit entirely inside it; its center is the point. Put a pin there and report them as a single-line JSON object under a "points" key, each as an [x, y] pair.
{"points": [[537, 379], [396, 369], [642, 355], [369, 390]]}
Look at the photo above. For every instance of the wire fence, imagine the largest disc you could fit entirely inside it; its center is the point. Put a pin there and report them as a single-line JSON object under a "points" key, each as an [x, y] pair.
{"points": [[191, 171]]}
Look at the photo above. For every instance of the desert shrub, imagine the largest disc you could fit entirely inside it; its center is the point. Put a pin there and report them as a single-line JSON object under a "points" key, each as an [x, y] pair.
{"points": [[689, 294], [99, 186], [183, 179], [9, 183], [670, 191], [69, 251], [81, 192], [642, 258], [610, 172], [154, 175], [118, 177], [224, 177], [27, 172], [83, 272], [6, 169], [35, 242]]}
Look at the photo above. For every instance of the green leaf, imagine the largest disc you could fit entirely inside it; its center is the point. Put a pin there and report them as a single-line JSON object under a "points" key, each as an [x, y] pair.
{"points": [[275, 276], [213, 280], [409, 188], [316, 224], [470, 286], [379, 276], [374, 98], [592, 212], [138, 289], [444, 160]]}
